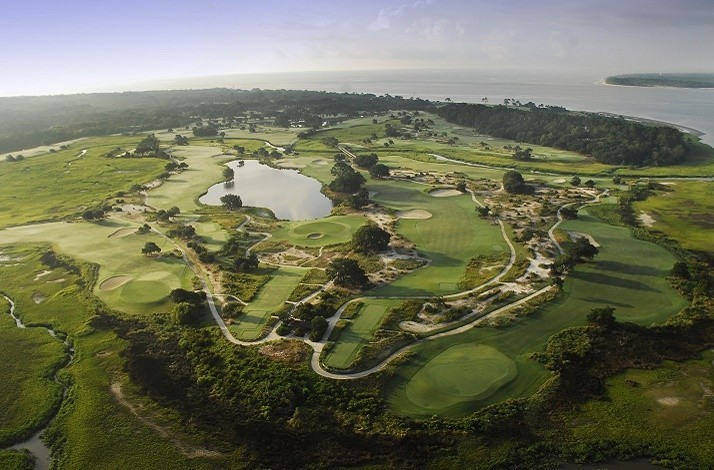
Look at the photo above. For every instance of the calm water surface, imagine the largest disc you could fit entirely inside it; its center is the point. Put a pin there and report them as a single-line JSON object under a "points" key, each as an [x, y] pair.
{"points": [[287, 193]]}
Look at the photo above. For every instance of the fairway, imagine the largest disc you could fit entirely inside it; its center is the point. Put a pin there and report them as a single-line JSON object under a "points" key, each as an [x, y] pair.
{"points": [[462, 372], [358, 333], [270, 298], [627, 274], [127, 280], [450, 238], [323, 232]]}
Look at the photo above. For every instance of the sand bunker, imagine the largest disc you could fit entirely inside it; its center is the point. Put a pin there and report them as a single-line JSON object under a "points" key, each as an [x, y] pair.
{"points": [[319, 162], [41, 275], [414, 214], [315, 235], [559, 181], [114, 282], [669, 401], [290, 165], [38, 297], [575, 235], [445, 193], [123, 232], [646, 219]]}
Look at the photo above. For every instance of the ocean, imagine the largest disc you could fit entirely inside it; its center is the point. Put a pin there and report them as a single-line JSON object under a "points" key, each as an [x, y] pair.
{"points": [[688, 108]]}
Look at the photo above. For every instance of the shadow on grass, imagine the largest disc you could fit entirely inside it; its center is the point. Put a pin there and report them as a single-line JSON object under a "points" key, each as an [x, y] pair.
{"points": [[613, 281], [626, 268]]}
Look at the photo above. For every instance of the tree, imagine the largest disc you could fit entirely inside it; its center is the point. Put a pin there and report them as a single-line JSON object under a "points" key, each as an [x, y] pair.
{"points": [[680, 270], [180, 140], [347, 179], [575, 180], [379, 171], [150, 144], [603, 317], [359, 199], [187, 314], [370, 238], [173, 211], [347, 273], [228, 173], [523, 155], [514, 183], [366, 161], [318, 326], [582, 248], [330, 142], [232, 201], [150, 248]]}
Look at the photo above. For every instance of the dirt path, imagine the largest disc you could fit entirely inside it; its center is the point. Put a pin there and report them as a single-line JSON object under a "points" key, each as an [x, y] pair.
{"points": [[188, 451]]}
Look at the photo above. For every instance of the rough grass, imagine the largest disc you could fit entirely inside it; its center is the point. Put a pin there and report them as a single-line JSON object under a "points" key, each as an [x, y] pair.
{"points": [[60, 184], [322, 232], [28, 396], [116, 256], [269, 299], [685, 212], [450, 239], [669, 408]]}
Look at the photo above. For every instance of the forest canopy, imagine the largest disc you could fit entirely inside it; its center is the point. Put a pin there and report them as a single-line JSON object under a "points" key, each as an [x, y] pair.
{"points": [[609, 140]]}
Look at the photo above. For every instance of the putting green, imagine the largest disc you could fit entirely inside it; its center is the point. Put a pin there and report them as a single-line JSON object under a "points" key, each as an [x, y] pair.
{"points": [[459, 373], [323, 232], [144, 292]]}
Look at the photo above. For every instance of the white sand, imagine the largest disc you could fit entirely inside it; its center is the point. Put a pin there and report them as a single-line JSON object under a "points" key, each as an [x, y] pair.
{"points": [[414, 214], [445, 193]]}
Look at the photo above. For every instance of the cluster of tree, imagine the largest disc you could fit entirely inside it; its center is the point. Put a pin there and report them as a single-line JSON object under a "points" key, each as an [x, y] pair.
{"points": [[184, 232], [209, 130], [180, 140], [150, 248], [166, 215], [514, 183], [149, 145], [190, 307], [608, 140], [370, 238], [370, 162], [17, 158], [579, 250], [96, 212], [347, 180], [347, 272], [232, 202]]}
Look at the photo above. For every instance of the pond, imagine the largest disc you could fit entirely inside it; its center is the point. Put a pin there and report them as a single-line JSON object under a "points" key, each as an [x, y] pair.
{"points": [[287, 193]]}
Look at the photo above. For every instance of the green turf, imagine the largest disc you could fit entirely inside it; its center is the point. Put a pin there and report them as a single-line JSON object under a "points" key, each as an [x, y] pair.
{"points": [[450, 238], [213, 236], [322, 232], [462, 372], [358, 332], [116, 255], [205, 165], [628, 274], [270, 298], [59, 184]]}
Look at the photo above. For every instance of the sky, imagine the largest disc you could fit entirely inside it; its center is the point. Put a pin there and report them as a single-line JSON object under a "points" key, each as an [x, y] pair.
{"points": [[62, 46]]}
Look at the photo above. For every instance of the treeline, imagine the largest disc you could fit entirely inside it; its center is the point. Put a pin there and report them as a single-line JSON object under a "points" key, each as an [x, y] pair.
{"points": [[30, 121], [609, 140], [678, 80]]}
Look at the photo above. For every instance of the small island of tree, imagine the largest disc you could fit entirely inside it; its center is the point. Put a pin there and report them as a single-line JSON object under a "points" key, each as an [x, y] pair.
{"points": [[232, 202], [150, 248], [370, 238], [513, 183], [228, 173], [347, 273]]}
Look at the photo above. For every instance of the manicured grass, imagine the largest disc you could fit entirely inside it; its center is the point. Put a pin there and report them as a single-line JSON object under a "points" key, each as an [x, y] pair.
{"points": [[462, 372], [669, 408], [277, 136], [450, 238], [214, 237], [358, 332], [60, 184], [28, 396], [628, 274], [92, 242], [685, 212], [322, 232], [205, 165], [270, 298]]}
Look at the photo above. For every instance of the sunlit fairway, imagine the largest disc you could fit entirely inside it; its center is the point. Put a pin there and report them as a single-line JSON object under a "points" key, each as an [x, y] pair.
{"points": [[358, 333], [322, 232], [212, 234], [270, 298], [127, 280], [628, 274], [205, 165], [450, 238]]}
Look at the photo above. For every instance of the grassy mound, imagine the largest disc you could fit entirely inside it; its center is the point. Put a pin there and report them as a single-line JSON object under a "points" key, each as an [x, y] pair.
{"points": [[461, 372], [323, 232]]}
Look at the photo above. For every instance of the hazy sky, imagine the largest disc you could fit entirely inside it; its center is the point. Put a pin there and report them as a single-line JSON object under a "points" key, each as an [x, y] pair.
{"points": [[51, 46]]}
